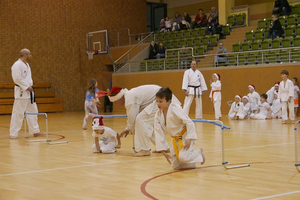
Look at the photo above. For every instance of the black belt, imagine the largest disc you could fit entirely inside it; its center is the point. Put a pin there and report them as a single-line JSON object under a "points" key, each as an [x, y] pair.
{"points": [[32, 96], [195, 87]]}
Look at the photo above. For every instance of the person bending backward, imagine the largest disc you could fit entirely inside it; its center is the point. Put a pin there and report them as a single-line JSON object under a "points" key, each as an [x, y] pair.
{"points": [[171, 119], [140, 107], [286, 96], [194, 86], [24, 97]]}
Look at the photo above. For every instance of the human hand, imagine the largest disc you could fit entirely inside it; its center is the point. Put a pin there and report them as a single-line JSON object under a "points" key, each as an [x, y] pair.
{"points": [[124, 133], [186, 93], [167, 156], [30, 89], [187, 144]]}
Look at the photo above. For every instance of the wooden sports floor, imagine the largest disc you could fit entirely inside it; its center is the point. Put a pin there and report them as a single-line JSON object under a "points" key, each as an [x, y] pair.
{"points": [[68, 171]]}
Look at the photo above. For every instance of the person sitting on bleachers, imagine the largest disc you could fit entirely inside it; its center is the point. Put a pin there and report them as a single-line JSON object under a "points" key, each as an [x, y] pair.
{"points": [[176, 21], [153, 50], [183, 25], [200, 19], [214, 13], [221, 54], [187, 17], [161, 51], [212, 25], [281, 6], [275, 28], [168, 24], [162, 26]]}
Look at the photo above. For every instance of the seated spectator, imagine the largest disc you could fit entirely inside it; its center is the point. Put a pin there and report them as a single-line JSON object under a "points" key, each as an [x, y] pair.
{"points": [[275, 28], [161, 51], [200, 19], [187, 17], [281, 6], [168, 24], [212, 25], [153, 50], [221, 54], [214, 13], [162, 26], [176, 21], [183, 25]]}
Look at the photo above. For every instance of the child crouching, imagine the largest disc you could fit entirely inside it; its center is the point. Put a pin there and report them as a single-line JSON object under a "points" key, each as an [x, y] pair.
{"points": [[109, 139], [171, 119]]}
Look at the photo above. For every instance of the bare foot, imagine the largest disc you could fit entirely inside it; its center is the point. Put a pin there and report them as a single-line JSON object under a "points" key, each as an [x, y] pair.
{"points": [[167, 151], [202, 154], [84, 128], [284, 122], [13, 137], [293, 122], [118, 146], [38, 134], [141, 153]]}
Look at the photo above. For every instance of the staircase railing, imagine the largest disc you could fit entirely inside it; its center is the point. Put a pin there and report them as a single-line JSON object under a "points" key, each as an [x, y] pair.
{"points": [[134, 51]]}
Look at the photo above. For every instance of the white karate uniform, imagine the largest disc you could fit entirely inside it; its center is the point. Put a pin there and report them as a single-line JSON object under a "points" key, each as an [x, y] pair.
{"points": [[234, 109], [216, 99], [286, 91], [140, 104], [263, 111], [270, 94], [193, 78], [21, 74], [254, 100], [108, 140], [244, 111], [175, 122], [276, 108]]}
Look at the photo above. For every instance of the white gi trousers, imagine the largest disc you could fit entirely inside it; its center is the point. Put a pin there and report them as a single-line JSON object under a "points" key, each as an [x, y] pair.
{"points": [[20, 106], [109, 147], [144, 129], [286, 104], [187, 158], [277, 114], [217, 107], [187, 104]]}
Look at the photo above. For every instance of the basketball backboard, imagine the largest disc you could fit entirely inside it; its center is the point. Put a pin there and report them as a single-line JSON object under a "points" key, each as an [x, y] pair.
{"points": [[97, 41]]}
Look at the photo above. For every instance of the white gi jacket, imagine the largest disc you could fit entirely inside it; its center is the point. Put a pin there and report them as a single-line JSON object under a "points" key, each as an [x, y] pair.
{"points": [[176, 120], [21, 74], [109, 135], [235, 108], [244, 109], [194, 78], [215, 86], [270, 94], [286, 91], [137, 99], [276, 106], [254, 100]]}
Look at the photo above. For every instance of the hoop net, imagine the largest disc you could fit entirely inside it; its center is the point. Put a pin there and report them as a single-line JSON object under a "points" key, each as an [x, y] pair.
{"points": [[90, 54]]}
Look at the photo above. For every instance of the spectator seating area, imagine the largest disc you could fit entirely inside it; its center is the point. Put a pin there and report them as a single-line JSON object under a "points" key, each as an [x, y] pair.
{"points": [[45, 99], [237, 20]]}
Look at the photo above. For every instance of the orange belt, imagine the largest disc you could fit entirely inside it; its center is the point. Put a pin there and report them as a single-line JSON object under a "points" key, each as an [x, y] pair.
{"points": [[179, 139], [212, 95]]}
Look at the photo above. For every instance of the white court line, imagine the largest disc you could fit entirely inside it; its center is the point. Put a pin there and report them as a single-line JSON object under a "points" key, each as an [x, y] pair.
{"points": [[277, 195], [72, 167]]}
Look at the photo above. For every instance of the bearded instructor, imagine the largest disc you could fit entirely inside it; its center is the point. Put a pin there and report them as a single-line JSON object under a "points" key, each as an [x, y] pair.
{"points": [[24, 97]]}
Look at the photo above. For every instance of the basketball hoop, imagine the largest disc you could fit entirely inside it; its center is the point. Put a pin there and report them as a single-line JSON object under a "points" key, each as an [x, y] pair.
{"points": [[90, 54]]}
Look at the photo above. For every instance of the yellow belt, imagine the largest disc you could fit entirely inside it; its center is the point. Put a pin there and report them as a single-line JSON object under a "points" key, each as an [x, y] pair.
{"points": [[179, 139]]}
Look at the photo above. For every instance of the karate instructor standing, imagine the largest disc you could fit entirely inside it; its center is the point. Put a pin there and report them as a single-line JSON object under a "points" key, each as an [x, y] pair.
{"points": [[24, 97]]}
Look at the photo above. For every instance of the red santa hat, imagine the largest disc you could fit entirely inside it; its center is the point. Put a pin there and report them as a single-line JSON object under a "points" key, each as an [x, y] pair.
{"points": [[217, 76], [116, 93], [251, 86], [238, 96], [276, 84], [246, 97], [97, 123]]}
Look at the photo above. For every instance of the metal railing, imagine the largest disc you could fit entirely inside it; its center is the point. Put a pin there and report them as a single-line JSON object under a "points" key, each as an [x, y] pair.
{"points": [[234, 59], [134, 51]]}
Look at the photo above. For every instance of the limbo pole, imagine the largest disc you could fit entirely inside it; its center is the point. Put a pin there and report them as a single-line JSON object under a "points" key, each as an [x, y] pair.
{"points": [[222, 126], [27, 137], [297, 164]]}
